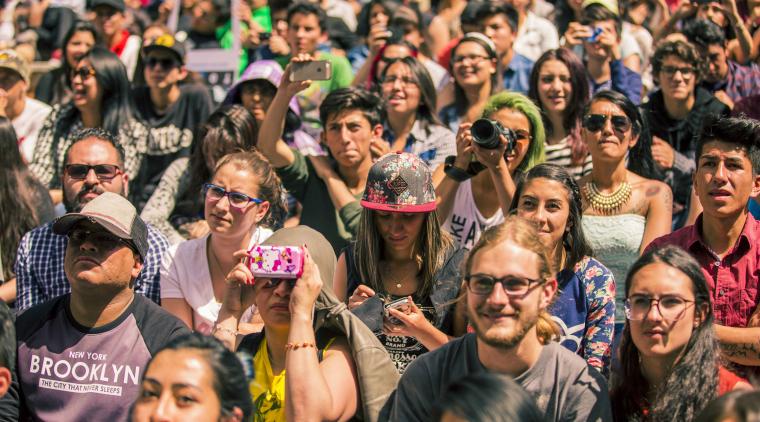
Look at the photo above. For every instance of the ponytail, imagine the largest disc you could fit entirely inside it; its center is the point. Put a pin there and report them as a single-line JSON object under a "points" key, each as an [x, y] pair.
{"points": [[546, 329]]}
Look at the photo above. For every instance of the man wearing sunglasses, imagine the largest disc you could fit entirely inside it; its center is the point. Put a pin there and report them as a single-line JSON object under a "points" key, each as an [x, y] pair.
{"points": [[172, 111], [80, 355], [26, 114], [93, 165], [675, 114], [726, 238], [509, 288]]}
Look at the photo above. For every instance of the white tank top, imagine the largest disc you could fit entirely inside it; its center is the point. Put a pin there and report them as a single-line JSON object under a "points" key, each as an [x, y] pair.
{"points": [[465, 222]]}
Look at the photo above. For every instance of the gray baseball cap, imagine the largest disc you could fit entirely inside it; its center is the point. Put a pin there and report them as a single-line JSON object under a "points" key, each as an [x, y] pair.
{"points": [[116, 214]]}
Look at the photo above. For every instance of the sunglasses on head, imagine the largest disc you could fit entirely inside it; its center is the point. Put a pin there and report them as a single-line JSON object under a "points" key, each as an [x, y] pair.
{"points": [[84, 72], [596, 122], [102, 171], [165, 63]]}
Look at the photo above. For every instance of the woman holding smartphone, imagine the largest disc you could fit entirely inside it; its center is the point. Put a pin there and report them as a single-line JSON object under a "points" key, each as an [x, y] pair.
{"points": [[401, 253], [240, 200], [300, 373]]}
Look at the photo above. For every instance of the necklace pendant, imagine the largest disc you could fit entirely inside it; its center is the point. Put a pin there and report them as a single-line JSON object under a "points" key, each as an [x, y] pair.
{"points": [[398, 285]]}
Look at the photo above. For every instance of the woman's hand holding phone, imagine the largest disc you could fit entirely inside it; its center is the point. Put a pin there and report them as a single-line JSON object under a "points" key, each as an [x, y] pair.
{"points": [[412, 321], [307, 288]]}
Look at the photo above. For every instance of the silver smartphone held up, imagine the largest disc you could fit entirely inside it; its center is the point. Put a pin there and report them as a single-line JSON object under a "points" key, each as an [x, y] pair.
{"points": [[317, 70]]}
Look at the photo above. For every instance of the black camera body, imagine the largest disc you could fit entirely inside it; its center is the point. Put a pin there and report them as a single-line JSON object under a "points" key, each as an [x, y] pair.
{"points": [[486, 133]]}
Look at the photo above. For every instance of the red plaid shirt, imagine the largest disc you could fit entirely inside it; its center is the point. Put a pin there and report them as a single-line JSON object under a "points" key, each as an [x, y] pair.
{"points": [[733, 280]]}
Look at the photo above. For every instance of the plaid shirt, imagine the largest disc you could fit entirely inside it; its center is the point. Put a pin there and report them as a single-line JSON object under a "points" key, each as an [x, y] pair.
{"points": [[39, 267], [741, 81]]}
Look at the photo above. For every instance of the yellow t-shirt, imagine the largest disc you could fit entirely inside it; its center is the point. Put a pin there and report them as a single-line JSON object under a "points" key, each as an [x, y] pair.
{"points": [[268, 390]]}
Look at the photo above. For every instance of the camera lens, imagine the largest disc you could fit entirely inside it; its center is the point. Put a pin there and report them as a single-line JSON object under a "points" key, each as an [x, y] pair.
{"points": [[485, 133]]}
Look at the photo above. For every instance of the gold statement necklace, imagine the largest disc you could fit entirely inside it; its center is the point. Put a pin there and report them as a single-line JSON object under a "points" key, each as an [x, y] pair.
{"points": [[607, 204]]}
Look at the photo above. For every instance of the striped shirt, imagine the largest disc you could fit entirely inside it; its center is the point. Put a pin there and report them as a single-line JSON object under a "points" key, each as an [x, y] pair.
{"points": [[560, 154], [39, 267]]}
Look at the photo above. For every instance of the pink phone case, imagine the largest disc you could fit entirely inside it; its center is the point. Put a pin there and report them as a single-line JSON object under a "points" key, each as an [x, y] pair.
{"points": [[276, 261]]}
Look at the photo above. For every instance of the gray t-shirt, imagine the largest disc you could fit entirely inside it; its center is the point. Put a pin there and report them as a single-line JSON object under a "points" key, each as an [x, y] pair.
{"points": [[562, 383], [67, 372]]}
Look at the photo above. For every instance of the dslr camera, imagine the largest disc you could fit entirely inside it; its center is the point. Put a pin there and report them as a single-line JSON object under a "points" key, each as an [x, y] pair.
{"points": [[486, 133]]}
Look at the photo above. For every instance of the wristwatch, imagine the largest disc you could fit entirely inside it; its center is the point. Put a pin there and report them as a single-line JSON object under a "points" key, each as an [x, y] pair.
{"points": [[453, 171]]}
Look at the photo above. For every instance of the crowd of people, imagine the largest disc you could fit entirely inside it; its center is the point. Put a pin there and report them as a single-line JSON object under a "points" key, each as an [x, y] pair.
{"points": [[387, 210]]}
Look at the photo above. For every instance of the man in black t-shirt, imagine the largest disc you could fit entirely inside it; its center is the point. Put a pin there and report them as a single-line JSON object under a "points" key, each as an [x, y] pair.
{"points": [[170, 109], [81, 355]]}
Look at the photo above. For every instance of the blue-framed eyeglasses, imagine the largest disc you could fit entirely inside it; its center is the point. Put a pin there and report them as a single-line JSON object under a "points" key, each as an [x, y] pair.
{"points": [[213, 192]]}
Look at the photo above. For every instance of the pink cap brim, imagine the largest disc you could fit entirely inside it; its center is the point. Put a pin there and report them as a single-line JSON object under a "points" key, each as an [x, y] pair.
{"points": [[429, 207]]}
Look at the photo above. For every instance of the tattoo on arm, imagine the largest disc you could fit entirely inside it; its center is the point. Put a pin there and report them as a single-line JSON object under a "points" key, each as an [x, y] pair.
{"points": [[742, 351]]}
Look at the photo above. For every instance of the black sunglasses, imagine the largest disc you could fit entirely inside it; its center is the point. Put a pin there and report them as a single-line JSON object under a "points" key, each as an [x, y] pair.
{"points": [[84, 73], [165, 63], [595, 122], [102, 171]]}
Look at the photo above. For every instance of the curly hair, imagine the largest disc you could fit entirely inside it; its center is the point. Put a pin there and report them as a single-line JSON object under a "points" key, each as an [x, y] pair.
{"points": [[524, 105], [681, 50], [693, 380]]}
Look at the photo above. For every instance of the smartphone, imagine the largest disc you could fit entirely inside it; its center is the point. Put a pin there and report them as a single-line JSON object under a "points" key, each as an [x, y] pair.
{"points": [[265, 36], [317, 70], [276, 261], [399, 304], [595, 35]]}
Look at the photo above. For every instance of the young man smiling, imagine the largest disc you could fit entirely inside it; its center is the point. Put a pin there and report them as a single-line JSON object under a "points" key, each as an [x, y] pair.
{"points": [[353, 127], [726, 238], [509, 285]]}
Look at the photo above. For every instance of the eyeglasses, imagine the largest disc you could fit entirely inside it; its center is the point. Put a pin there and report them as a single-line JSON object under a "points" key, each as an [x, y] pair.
{"points": [[165, 63], [238, 200], [670, 71], [483, 284], [104, 241], [474, 59], [405, 80], [596, 122], [670, 307], [103, 172], [84, 73]]}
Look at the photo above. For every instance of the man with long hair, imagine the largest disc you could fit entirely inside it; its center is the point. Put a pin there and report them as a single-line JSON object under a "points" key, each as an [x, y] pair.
{"points": [[509, 284]]}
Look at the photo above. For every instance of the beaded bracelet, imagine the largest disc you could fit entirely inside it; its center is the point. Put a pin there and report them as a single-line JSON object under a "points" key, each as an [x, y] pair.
{"points": [[296, 346]]}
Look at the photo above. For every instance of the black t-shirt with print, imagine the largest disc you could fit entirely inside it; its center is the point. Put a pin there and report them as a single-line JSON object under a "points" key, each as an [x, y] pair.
{"points": [[67, 372], [171, 132]]}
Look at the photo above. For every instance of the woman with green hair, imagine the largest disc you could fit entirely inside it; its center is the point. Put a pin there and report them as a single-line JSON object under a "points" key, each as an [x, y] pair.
{"points": [[466, 183]]}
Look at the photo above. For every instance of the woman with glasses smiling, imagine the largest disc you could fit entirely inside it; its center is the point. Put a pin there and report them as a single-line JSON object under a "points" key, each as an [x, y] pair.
{"points": [[410, 103], [669, 358], [242, 197], [622, 209], [101, 98], [477, 76]]}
